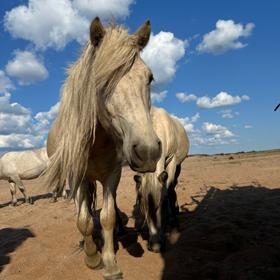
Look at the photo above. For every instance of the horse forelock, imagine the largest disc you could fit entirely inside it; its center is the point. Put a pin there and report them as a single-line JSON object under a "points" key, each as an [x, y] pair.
{"points": [[95, 73]]}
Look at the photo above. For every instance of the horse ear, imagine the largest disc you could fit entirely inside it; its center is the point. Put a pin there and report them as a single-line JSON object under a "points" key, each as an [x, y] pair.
{"points": [[163, 176], [142, 35], [137, 179], [97, 32]]}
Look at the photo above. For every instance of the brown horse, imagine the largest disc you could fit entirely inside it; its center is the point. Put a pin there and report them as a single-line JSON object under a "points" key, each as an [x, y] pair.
{"points": [[104, 116]]}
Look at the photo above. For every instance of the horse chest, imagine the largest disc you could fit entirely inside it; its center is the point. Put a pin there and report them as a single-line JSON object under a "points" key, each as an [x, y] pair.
{"points": [[101, 163]]}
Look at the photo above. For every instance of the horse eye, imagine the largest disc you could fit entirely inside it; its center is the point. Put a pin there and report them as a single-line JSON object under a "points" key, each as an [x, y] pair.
{"points": [[151, 78]]}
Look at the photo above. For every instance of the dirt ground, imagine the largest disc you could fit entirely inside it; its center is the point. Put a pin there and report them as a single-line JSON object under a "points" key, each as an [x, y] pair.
{"points": [[229, 227]]}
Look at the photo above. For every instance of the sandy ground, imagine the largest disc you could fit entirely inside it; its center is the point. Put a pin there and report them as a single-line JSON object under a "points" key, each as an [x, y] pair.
{"points": [[229, 227]]}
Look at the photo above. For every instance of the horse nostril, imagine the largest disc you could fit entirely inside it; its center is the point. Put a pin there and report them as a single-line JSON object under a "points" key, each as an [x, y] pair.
{"points": [[136, 151], [159, 143]]}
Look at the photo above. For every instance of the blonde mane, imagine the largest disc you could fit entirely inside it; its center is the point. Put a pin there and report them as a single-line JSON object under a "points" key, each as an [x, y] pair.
{"points": [[94, 74]]}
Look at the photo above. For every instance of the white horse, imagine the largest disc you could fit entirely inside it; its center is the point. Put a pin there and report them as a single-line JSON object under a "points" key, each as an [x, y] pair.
{"points": [[104, 116], [156, 191], [22, 165]]}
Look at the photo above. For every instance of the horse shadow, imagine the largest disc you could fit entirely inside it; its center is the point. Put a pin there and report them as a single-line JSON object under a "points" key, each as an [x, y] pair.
{"points": [[232, 234], [35, 198], [10, 239]]}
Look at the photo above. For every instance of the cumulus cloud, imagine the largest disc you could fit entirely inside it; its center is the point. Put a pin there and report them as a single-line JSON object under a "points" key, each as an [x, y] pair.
{"points": [[161, 54], [104, 9], [26, 67], [225, 37], [5, 83], [19, 129], [158, 96], [54, 23], [14, 119], [218, 130], [188, 122], [44, 119], [11, 108], [213, 135], [13, 122], [208, 135], [212, 141], [183, 97], [228, 114], [17, 141], [221, 99]]}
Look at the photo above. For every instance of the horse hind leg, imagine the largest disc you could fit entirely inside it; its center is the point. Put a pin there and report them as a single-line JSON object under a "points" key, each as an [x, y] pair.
{"points": [[13, 191], [175, 182], [173, 173], [54, 197], [21, 187], [83, 201], [120, 230]]}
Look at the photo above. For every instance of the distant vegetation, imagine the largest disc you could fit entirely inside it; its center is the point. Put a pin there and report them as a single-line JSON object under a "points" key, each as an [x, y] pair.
{"points": [[237, 153]]}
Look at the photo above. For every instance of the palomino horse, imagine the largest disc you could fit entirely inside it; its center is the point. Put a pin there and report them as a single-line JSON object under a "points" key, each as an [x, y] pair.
{"points": [[104, 116], [22, 165], [156, 191]]}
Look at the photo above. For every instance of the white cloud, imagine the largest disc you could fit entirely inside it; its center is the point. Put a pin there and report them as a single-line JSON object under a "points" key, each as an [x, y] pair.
{"points": [[11, 108], [221, 99], [15, 120], [27, 68], [54, 23], [213, 141], [5, 83], [225, 37], [183, 97], [247, 126], [19, 129], [104, 9], [218, 130], [188, 123], [228, 114], [161, 54], [12, 122], [213, 135], [210, 134], [44, 119], [158, 97]]}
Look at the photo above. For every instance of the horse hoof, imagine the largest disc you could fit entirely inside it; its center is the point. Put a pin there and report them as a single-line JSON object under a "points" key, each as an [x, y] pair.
{"points": [[14, 204], [155, 247], [29, 200], [117, 276], [53, 200], [94, 262]]}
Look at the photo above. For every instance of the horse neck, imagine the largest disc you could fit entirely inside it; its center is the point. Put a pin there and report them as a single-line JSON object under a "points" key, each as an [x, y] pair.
{"points": [[43, 154]]}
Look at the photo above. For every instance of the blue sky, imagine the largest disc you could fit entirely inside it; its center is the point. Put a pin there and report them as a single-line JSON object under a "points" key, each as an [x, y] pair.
{"points": [[216, 66]]}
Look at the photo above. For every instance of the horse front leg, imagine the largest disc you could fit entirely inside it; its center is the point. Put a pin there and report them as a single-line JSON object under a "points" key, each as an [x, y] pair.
{"points": [[83, 201], [108, 221], [21, 187], [13, 191]]}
